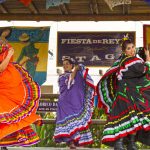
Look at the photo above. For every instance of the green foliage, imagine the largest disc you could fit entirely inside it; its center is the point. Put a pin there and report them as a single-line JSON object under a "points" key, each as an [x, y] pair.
{"points": [[98, 114], [46, 132]]}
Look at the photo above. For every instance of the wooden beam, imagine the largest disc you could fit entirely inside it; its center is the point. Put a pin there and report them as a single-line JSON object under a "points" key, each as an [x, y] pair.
{"points": [[64, 9], [61, 10], [3, 9], [94, 7], [65, 6], [33, 8], [48, 17], [94, 121], [125, 9], [91, 8]]}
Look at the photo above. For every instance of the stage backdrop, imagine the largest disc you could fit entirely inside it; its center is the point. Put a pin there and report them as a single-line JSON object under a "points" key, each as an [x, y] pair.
{"points": [[31, 50], [90, 48], [146, 36]]}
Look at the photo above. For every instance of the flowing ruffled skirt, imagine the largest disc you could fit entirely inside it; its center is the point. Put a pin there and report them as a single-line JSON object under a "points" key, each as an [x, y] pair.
{"points": [[74, 111], [19, 96]]}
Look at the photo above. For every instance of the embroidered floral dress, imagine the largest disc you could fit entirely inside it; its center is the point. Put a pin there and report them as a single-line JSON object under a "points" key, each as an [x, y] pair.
{"points": [[19, 96], [124, 92], [75, 107]]}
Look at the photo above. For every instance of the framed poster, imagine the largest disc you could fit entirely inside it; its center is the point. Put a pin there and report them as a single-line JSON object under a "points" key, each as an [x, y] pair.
{"points": [[90, 48], [31, 49], [146, 36]]}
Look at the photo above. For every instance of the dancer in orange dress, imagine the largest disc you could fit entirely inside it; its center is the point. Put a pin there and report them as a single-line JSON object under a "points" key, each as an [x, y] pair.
{"points": [[19, 96]]}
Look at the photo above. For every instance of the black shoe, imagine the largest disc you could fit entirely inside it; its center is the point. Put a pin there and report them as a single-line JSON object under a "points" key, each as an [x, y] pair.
{"points": [[119, 144], [132, 145], [4, 148]]}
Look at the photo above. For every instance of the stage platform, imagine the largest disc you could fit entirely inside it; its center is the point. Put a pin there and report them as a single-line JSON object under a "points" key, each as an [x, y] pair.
{"points": [[55, 148], [50, 148]]}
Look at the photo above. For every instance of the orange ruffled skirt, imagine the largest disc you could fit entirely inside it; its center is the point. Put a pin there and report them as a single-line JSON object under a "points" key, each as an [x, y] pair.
{"points": [[19, 96]]}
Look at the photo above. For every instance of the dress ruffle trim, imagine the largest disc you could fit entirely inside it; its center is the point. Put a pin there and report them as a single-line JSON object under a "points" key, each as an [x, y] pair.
{"points": [[128, 124], [30, 102], [23, 137]]}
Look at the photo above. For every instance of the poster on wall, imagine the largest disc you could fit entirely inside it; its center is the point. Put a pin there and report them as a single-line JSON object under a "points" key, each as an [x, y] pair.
{"points": [[146, 36], [90, 48], [31, 50]]}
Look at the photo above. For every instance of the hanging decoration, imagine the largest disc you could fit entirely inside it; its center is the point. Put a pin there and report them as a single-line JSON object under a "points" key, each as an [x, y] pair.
{"points": [[26, 2], [113, 3], [51, 3], [2, 1]]}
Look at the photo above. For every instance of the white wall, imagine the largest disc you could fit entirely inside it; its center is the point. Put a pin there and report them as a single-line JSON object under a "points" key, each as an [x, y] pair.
{"points": [[79, 26], [90, 26]]}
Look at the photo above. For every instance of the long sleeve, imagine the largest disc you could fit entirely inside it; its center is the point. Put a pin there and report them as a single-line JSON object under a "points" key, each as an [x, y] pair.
{"points": [[135, 71], [131, 67]]}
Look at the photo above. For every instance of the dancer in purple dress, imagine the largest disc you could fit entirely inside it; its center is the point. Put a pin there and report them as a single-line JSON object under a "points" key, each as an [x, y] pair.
{"points": [[75, 105]]}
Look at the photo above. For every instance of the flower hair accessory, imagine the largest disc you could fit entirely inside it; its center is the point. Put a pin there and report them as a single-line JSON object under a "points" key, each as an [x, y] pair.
{"points": [[125, 38]]}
